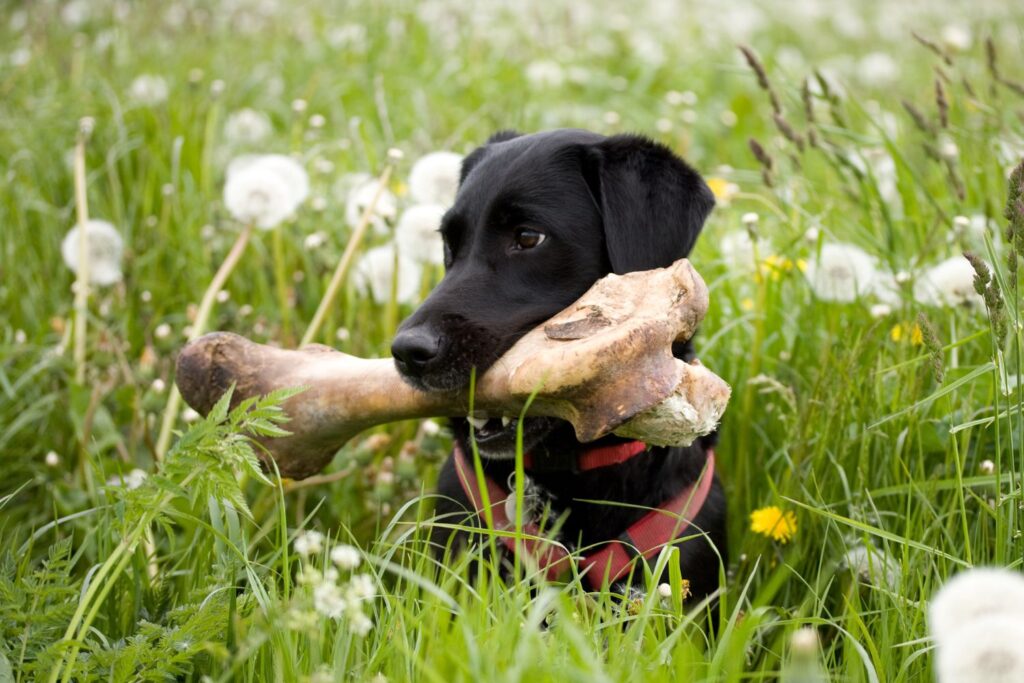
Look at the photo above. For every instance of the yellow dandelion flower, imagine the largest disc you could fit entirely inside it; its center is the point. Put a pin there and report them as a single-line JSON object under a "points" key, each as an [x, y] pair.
{"points": [[722, 189], [912, 333], [774, 523]]}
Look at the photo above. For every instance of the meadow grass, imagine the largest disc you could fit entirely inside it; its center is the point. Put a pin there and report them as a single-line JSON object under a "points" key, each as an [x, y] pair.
{"points": [[872, 437]]}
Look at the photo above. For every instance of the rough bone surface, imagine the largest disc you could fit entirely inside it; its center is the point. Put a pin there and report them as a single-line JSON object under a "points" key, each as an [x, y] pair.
{"points": [[604, 364]]}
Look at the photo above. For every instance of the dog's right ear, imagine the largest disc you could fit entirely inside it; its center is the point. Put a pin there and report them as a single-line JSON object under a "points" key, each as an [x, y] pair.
{"points": [[474, 157]]}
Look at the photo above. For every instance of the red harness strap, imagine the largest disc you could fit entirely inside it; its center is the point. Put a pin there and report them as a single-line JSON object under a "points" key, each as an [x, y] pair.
{"points": [[605, 456], [645, 537]]}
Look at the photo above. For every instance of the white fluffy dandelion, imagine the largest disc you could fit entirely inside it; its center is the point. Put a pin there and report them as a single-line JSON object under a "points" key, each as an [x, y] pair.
{"points": [[309, 543], [737, 249], [986, 649], [345, 556], [375, 273], [361, 196], [841, 272], [873, 566], [133, 480], [247, 126], [105, 251], [265, 189], [148, 90], [983, 592], [434, 178], [417, 233], [359, 623], [950, 283]]}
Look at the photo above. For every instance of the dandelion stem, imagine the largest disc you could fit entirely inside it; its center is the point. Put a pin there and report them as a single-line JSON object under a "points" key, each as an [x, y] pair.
{"points": [[82, 279], [282, 286], [198, 328], [346, 259]]}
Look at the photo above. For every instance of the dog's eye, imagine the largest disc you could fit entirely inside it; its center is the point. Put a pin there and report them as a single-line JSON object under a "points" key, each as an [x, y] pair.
{"points": [[528, 239]]}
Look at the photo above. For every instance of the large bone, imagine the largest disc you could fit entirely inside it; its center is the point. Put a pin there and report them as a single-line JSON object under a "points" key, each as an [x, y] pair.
{"points": [[604, 364]]}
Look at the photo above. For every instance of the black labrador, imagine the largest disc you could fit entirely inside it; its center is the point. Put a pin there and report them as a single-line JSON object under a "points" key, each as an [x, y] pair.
{"points": [[536, 221]]}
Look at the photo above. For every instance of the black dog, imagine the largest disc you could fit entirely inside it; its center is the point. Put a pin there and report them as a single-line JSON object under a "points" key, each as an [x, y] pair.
{"points": [[537, 220]]}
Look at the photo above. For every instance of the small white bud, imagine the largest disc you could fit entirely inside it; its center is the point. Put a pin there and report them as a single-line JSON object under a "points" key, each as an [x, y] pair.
{"points": [[52, 459], [159, 385], [317, 121], [299, 105], [987, 467], [162, 331], [665, 590]]}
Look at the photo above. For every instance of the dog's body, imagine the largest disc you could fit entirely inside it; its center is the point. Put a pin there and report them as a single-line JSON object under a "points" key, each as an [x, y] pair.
{"points": [[537, 220]]}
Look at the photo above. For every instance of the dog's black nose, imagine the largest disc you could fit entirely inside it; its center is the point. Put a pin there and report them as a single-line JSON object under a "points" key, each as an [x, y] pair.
{"points": [[414, 349]]}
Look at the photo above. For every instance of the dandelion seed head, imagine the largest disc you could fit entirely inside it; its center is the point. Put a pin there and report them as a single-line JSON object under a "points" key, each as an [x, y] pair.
{"points": [[949, 283], [987, 467], [972, 595], [317, 121], [841, 272], [20, 336], [375, 272], [360, 624], [133, 480], [105, 248], [434, 178], [986, 649], [737, 249], [417, 233], [430, 428], [873, 566], [664, 590], [265, 189], [247, 126], [190, 415], [158, 385], [361, 196], [148, 90], [880, 310], [52, 459]]}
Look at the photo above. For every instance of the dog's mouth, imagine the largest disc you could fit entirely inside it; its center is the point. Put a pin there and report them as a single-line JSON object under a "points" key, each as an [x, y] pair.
{"points": [[496, 437]]}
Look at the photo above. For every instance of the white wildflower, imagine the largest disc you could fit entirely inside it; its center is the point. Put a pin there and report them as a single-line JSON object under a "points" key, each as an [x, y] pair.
{"points": [[328, 600], [430, 428], [360, 623], [299, 105], [811, 234], [247, 126], [375, 273], [873, 566], [434, 178], [345, 556], [148, 90], [20, 336], [957, 37], [265, 189], [361, 588], [190, 415], [76, 12], [950, 283], [158, 385], [545, 73], [360, 197], [105, 248], [878, 68], [309, 543], [20, 56], [974, 594], [880, 310], [664, 590], [987, 467], [417, 236], [317, 121], [162, 331], [986, 649], [841, 272], [133, 480], [52, 459], [342, 334], [315, 240]]}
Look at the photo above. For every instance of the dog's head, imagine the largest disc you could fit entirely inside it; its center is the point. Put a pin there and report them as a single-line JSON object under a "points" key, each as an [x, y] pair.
{"points": [[536, 221]]}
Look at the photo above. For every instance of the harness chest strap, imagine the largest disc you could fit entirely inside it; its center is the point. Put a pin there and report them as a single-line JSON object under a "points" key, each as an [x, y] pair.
{"points": [[645, 537]]}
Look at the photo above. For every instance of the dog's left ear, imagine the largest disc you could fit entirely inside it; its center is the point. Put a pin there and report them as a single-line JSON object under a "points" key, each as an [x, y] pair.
{"points": [[653, 204]]}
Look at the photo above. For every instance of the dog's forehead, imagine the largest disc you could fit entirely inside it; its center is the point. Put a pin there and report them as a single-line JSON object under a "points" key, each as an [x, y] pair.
{"points": [[528, 167]]}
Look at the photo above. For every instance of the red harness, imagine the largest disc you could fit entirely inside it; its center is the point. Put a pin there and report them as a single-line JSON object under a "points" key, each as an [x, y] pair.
{"points": [[644, 538]]}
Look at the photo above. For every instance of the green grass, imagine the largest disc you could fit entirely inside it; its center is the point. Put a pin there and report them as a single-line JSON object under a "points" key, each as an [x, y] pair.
{"points": [[194, 573]]}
